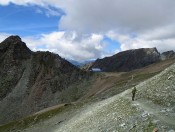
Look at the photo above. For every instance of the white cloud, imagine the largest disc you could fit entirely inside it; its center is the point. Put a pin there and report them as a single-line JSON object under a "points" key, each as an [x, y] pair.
{"points": [[22, 2], [104, 15], [163, 38], [66, 45], [162, 45], [118, 36], [3, 36], [165, 32], [123, 15], [134, 23]]}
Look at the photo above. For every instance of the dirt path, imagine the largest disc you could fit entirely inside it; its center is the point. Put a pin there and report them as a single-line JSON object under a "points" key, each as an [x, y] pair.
{"points": [[163, 114], [110, 115], [166, 115], [119, 113]]}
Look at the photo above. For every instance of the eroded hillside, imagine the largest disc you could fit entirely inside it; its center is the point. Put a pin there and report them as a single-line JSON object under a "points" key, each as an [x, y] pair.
{"points": [[31, 81], [42, 88], [108, 106], [154, 108]]}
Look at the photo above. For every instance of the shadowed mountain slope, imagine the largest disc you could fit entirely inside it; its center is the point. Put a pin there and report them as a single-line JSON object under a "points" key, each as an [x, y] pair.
{"points": [[127, 60], [168, 54], [62, 97], [31, 81], [153, 108]]}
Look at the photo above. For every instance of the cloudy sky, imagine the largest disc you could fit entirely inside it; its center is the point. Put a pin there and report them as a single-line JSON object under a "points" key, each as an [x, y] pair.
{"points": [[89, 29]]}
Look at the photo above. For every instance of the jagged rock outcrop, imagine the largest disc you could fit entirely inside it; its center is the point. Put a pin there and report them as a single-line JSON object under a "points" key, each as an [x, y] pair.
{"points": [[168, 55], [31, 81], [128, 60], [12, 54]]}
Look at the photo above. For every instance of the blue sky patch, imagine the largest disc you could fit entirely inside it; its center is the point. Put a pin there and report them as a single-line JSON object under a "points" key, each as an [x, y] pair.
{"points": [[28, 20], [112, 45]]}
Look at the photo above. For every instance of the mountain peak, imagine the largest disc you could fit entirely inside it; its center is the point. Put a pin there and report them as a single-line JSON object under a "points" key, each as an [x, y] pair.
{"points": [[12, 39], [13, 46]]}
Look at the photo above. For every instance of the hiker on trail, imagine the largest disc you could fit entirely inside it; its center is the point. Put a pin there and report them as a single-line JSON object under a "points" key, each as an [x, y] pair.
{"points": [[155, 130], [134, 90]]}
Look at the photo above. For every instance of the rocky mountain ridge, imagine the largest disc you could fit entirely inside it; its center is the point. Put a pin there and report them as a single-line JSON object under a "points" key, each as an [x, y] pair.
{"points": [[130, 60], [153, 109], [31, 81], [168, 55]]}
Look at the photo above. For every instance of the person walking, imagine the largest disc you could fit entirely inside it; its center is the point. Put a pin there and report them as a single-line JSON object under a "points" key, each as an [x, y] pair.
{"points": [[155, 130], [134, 90]]}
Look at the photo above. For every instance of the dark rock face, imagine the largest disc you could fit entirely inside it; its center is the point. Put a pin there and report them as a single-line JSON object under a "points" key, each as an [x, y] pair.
{"points": [[12, 52], [14, 48], [31, 81], [128, 60], [168, 55]]}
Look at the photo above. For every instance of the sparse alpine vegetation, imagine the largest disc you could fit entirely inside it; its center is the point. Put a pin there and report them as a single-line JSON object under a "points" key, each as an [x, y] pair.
{"points": [[154, 107], [44, 92]]}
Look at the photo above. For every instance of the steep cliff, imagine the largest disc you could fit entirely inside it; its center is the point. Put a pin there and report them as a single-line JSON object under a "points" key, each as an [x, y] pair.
{"points": [[31, 81]]}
